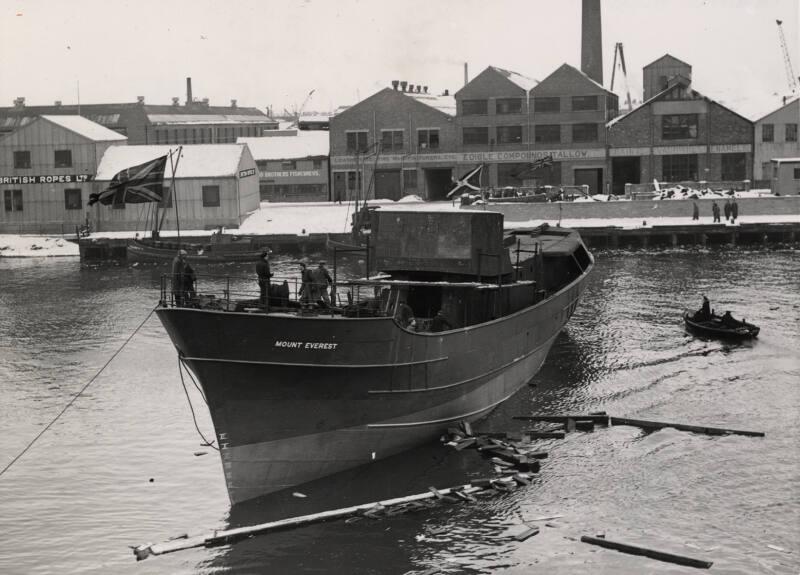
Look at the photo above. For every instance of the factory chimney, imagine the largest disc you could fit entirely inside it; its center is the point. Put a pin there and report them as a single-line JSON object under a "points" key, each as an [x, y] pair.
{"points": [[189, 92], [466, 74], [592, 41]]}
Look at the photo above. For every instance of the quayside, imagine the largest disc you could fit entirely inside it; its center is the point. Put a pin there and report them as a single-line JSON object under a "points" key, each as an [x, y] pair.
{"points": [[455, 317]]}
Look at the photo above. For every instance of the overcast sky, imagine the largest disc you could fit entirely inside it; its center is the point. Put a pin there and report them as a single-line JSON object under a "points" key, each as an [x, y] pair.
{"points": [[276, 52]]}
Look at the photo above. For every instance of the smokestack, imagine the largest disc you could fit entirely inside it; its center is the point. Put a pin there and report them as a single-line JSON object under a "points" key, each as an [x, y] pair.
{"points": [[466, 73], [189, 92], [140, 99], [403, 85], [395, 84], [592, 41], [234, 103], [175, 100]]}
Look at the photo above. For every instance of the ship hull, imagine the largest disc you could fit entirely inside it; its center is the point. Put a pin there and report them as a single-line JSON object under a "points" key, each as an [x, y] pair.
{"points": [[297, 398]]}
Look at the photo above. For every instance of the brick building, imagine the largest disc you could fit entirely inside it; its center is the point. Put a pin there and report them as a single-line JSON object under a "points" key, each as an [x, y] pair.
{"points": [[679, 135], [397, 142]]}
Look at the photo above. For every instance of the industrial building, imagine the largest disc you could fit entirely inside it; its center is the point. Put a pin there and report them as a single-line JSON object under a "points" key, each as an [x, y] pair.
{"points": [[292, 165], [213, 185], [47, 168], [679, 135], [776, 137], [195, 121], [397, 142], [785, 176]]}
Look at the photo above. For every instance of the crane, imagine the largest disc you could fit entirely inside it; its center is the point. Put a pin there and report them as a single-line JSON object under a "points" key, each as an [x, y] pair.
{"points": [[786, 60], [299, 112], [618, 50]]}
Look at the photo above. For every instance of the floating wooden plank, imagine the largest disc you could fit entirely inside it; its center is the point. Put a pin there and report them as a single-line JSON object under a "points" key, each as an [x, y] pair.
{"points": [[584, 425], [530, 532], [464, 443], [679, 426], [597, 418], [644, 551], [537, 454], [467, 428], [546, 434]]}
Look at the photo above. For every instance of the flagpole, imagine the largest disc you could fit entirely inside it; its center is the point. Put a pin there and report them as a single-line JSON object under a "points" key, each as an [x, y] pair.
{"points": [[173, 191]]}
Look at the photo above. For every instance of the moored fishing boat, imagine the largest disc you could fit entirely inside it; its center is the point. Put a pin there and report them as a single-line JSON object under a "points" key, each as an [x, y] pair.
{"points": [[219, 249], [458, 320]]}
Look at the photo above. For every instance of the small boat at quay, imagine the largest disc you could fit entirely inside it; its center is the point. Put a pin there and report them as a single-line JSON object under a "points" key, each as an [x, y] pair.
{"points": [[219, 249], [458, 317], [724, 327]]}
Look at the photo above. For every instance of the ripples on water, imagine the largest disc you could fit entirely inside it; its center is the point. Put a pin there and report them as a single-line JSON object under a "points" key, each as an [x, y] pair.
{"points": [[83, 493]]}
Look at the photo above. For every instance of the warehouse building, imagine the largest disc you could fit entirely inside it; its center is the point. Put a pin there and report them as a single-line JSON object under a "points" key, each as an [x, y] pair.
{"points": [[776, 137], [679, 135], [214, 185], [397, 142], [46, 171], [292, 165]]}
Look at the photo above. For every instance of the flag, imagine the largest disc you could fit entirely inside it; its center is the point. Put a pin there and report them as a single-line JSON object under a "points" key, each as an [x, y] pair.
{"points": [[543, 162], [470, 181], [142, 183]]}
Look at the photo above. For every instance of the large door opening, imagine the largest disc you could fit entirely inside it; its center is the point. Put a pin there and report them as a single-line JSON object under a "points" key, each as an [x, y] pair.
{"points": [[592, 177], [438, 182], [624, 171], [387, 184]]}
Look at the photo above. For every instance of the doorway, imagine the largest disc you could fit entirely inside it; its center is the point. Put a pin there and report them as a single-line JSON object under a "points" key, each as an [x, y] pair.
{"points": [[438, 182], [624, 171], [592, 177], [387, 184]]}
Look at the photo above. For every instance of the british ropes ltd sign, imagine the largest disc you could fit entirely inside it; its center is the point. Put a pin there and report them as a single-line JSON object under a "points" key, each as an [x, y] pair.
{"points": [[57, 179]]}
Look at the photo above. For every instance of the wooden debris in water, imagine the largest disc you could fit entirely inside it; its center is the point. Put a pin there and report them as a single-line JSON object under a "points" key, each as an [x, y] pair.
{"points": [[529, 532], [681, 427], [546, 434], [644, 551], [505, 455]]}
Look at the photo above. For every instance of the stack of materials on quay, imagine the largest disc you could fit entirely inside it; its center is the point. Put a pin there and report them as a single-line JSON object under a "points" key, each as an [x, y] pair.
{"points": [[687, 193]]}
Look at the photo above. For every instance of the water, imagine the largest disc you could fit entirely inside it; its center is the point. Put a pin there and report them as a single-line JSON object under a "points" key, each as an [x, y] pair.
{"points": [[125, 465]]}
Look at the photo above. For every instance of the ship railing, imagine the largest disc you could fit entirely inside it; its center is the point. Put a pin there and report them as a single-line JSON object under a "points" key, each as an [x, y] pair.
{"points": [[242, 293]]}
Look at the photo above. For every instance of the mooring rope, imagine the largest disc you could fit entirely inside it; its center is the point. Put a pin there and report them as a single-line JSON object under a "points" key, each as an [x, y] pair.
{"points": [[206, 442], [74, 399]]}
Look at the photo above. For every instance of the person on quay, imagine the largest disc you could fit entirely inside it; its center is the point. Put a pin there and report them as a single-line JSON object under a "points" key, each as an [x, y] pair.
{"points": [[715, 211], [320, 280], [178, 277], [695, 211], [726, 209], [264, 274], [734, 211]]}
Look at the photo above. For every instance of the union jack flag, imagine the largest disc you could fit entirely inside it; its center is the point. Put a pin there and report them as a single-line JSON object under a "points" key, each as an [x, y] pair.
{"points": [[470, 181], [543, 162], [138, 184]]}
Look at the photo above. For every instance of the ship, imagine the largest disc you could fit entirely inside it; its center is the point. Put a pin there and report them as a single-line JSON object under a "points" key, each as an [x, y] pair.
{"points": [[452, 317]]}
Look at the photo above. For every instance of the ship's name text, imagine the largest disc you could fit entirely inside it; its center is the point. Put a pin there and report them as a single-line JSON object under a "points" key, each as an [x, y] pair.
{"points": [[305, 344]]}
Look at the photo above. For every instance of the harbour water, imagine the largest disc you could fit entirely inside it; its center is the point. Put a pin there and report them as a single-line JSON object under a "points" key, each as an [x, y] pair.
{"points": [[125, 464]]}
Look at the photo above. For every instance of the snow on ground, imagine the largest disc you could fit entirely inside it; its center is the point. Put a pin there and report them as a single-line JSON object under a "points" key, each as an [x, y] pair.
{"points": [[638, 223], [12, 246]]}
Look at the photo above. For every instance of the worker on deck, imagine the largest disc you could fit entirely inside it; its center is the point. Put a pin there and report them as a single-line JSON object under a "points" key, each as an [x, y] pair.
{"points": [[178, 277], [264, 274], [440, 322]]}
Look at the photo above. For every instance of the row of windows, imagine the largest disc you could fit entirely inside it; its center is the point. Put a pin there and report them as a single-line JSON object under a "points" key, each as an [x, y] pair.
{"points": [[683, 167], [541, 105], [205, 135], [286, 165], [768, 132], [392, 140], [546, 134], [61, 159], [12, 199]]}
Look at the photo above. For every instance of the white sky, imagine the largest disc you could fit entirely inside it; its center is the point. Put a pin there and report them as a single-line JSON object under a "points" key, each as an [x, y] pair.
{"points": [[275, 52]]}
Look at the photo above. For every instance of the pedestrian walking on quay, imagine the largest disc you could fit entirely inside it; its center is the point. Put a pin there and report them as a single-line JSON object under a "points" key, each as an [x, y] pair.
{"points": [[695, 211], [264, 274], [734, 211], [727, 209], [715, 211]]}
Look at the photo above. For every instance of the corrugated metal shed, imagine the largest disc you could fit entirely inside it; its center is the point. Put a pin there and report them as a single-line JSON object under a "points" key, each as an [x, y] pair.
{"points": [[86, 128], [308, 144], [197, 161]]}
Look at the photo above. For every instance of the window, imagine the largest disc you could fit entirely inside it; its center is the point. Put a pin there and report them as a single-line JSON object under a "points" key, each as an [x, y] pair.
{"points": [[679, 126], [584, 103], [22, 159], [663, 82], [797, 173], [391, 140], [548, 134], [352, 183], [317, 164], [584, 132], [72, 199], [356, 141], [428, 138], [547, 104], [210, 196], [12, 200], [509, 106], [288, 165], [509, 134], [475, 136], [474, 107], [791, 133], [409, 178], [679, 168], [767, 132], [734, 167], [63, 158]]}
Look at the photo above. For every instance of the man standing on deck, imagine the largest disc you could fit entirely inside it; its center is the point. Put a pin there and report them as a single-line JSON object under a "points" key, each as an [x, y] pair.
{"points": [[727, 209], [321, 279], [179, 265], [263, 272]]}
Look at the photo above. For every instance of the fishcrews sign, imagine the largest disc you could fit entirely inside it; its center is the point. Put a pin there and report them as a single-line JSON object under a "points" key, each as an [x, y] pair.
{"points": [[473, 157], [58, 179]]}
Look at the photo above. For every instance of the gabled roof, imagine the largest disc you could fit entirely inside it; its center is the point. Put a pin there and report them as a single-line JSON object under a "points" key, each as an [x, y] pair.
{"points": [[303, 144], [573, 70], [85, 128], [196, 161], [668, 57], [437, 103], [522, 81], [793, 102]]}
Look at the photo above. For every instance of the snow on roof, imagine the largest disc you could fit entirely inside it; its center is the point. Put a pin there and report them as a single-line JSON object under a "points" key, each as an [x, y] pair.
{"points": [[208, 119], [785, 160], [196, 161], [522, 81], [315, 118], [86, 128], [446, 104], [305, 144]]}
